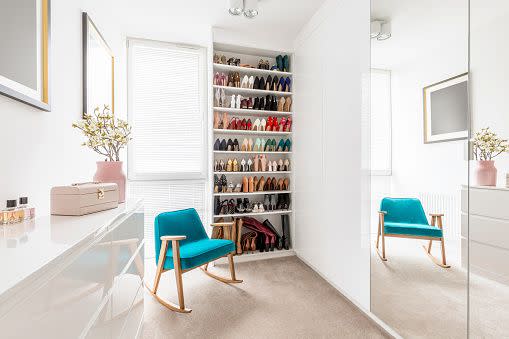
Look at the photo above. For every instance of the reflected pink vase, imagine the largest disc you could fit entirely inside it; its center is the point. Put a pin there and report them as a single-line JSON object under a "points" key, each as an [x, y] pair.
{"points": [[486, 173], [111, 171]]}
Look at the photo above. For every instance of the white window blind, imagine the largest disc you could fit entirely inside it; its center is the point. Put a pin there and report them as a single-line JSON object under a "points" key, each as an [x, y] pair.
{"points": [[167, 103], [381, 124], [167, 106]]}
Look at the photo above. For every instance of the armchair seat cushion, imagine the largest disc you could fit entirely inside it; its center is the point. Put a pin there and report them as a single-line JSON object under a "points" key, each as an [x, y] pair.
{"points": [[200, 252], [421, 230]]}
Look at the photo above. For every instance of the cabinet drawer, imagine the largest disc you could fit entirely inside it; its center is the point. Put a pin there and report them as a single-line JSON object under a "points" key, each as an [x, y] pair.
{"points": [[490, 262], [493, 232], [487, 202]]}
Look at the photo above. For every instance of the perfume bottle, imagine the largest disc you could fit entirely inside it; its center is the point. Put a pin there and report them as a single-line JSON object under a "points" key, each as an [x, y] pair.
{"points": [[9, 215], [26, 212]]}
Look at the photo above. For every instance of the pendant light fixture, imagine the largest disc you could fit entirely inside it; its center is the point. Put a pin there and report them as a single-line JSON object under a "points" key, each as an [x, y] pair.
{"points": [[248, 7]]}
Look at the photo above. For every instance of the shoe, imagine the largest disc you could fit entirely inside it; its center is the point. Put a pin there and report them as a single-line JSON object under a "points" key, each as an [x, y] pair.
{"points": [[279, 242], [263, 145], [256, 125], [286, 64], [222, 146], [266, 187], [216, 120], [280, 185], [286, 165], [275, 82], [229, 145], [236, 78], [263, 163], [235, 165], [249, 165], [245, 185], [273, 201], [224, 183], [263, 125], [288, 146], [257, 145], [239, 208], [266, 202], [273, 104], [286, 184], [238, 188], [274, 166], [269, 168], [243, 165], [217, 145], [232, 124], [261, 184], [281, 85], [255, 183], [243, 104], [267, 103], [261, 208], [216, 184], [261, 106], [229, 165], [237, 101], [280, 146], [255, 208], [282, 124], [261, 83], [288, 105], [243, 124], [217, 98], [244, 146], [233, 102], [256, 83], [256, 104], [222, 79], [268, 127], [251, 185], [287, 86], [268, 84], [245, 82], [250, 83], [249, 125], [285, 222], [288, 125], [280, 104], [279, 62], [222, 166], [223, 99], [280, 165], [256, 162]]}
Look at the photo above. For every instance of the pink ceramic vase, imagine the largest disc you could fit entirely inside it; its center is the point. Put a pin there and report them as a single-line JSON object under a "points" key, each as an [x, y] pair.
{"points": [[486, 173], [111, 171]]}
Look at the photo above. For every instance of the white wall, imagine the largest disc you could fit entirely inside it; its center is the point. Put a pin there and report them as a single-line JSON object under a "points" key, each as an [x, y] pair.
{"points": [[329, 68]]}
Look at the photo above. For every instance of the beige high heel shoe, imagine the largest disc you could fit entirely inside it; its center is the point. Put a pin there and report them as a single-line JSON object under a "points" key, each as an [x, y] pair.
{"points": [[244, 146], [216, 120], [286, 184], [245, 185], [280, 165], [235, 165], [251, 184], [255, 183], [261, 184], [263, 163], [229, 165], [225, 120], [281, 104], [274, 166], [256, 163], [288, 105], [286, 164], [250, 145]]}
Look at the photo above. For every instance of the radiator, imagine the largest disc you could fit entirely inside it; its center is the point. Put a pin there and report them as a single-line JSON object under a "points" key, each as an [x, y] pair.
{"points": [[450, 206]]}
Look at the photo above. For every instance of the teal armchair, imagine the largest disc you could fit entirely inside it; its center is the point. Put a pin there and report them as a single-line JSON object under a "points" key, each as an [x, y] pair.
{"points": [[182, 245], [405, 218]]}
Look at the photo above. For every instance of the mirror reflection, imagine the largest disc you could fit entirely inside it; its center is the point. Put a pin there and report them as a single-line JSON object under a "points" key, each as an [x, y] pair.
{"points": [[419, 129]]}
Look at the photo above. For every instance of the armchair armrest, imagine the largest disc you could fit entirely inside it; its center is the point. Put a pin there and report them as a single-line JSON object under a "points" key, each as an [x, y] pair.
{"points": [[436, 214], [222, 224], [173, 237], [382, 212]]}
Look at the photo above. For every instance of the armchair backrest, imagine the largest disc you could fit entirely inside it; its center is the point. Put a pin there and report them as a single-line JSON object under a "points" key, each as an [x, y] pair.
{"points": [[403, 210], [184, 222]]}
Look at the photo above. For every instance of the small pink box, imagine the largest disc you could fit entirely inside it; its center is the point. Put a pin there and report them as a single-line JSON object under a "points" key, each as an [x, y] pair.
{"points": [[83, 198]]}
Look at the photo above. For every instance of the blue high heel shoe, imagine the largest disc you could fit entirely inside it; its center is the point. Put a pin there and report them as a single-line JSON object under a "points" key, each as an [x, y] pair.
{"points": [[287, 86], [279, 62], [280, 146], [281, 85], [288, 146]]}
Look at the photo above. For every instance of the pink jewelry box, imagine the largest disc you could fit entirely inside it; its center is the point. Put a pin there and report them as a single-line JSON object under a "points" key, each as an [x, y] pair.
{"points": [[83, 198]]}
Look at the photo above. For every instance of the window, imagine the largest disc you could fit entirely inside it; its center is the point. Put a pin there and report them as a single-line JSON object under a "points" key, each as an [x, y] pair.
{"points": [[381, 124], [167, 105]]}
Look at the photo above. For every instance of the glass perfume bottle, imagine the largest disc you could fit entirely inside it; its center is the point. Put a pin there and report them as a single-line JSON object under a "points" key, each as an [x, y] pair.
{"points": [[26, 212], [10, 213]]}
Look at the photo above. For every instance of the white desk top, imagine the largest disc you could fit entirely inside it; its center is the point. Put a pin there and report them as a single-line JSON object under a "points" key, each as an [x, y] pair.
{"points": [[31, 247]]}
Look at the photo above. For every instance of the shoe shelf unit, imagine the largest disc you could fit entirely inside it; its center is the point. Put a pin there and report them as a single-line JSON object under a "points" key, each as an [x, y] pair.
{"points": [[251, 56]]}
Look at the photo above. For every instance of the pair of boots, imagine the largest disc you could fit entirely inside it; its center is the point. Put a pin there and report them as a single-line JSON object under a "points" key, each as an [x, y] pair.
{"points": [[284, 240]]}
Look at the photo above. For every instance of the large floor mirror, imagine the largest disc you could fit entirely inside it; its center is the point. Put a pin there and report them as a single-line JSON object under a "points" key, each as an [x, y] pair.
{"points": [[419, 166]]}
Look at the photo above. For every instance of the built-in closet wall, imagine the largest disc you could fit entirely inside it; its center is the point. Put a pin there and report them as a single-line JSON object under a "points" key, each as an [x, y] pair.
{"points": [[332, 186]]}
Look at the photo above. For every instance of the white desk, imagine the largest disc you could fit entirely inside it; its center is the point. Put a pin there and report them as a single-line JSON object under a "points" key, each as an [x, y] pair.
{"points": [[70, 277]]}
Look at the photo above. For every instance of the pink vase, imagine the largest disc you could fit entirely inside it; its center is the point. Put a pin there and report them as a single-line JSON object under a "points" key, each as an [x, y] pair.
{"points": [[486, 173], [111, 171]]}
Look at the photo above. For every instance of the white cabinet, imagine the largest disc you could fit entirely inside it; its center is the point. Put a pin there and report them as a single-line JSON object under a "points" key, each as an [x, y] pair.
{"points": [[487, 227], [88, 285]]}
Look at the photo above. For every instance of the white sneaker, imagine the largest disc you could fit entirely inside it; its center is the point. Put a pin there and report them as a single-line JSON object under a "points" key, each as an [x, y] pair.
{"points": [[255, 208]]}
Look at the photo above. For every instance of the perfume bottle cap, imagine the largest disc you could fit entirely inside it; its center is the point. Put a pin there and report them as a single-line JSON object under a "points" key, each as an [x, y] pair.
{"points": [[23, 200], [11, 203]]}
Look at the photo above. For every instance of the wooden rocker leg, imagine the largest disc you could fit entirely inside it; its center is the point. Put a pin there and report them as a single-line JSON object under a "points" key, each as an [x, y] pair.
{"points": [[178, 274], [380, 233], [233, 279], [442, 263]]}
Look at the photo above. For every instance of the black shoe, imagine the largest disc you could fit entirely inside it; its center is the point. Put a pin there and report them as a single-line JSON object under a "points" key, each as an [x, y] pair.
{"points": [[217, 204], [261, 84], [285, 222], [261, 106], [268, 84], [279, 242], [222, 146], [256, 84], [256, 104], [273, 105], [217, 144], [267, 103], [274, 84], [236, 145], [229, 145]]}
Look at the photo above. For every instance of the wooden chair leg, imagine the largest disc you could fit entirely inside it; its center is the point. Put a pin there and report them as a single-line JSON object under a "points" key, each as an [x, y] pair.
{"points": [[233, 279], [444, 262], [178, 272], [378, 234], [160, 268], [381, 233]]}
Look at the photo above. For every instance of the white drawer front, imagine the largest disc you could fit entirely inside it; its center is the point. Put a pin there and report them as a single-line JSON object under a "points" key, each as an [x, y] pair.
{"points": [[490, 262], [494, 232], [487, 202]]}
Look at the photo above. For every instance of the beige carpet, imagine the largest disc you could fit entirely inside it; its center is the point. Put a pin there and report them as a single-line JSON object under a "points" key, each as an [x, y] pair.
{"points": [[418, 299], [280, 298]]}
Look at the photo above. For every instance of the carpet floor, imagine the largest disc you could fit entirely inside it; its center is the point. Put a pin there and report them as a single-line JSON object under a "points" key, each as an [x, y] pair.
{"points": [[280, 298]]}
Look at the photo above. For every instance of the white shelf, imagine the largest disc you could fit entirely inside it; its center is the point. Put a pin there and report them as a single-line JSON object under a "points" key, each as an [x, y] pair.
{"points": [[239, 90], [245, 111], [243, 131], [248, 70], [250, 152], [253, 173], [257, 256], [253, 214], [250, 193]]}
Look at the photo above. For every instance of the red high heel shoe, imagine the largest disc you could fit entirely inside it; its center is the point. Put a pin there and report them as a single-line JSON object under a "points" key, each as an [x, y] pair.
{"points": [[243, 124], [249, 125], [282, 124], [288, 126], [269, 124], [232, 124]]}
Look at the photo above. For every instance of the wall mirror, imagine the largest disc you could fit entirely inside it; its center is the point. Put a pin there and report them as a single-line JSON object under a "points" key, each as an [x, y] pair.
{"points": [[418, 272], [98, 68], [24, 59]]}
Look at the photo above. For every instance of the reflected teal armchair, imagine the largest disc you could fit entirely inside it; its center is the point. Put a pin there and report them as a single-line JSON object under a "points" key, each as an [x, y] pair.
{"points": [[181, 245], [405, 218]]}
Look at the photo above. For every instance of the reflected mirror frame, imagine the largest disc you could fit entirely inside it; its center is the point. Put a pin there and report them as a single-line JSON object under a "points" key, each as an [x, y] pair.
{"points": [[86, 21]]}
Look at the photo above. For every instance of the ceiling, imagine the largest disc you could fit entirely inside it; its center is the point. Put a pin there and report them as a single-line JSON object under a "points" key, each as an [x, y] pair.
{"points": [[283, 18]]}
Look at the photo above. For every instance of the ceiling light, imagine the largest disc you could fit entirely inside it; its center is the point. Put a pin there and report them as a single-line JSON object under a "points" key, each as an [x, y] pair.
{"points": [[250, 8], [236, 7]]}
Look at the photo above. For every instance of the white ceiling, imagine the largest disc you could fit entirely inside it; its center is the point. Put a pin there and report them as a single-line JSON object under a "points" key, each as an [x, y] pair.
{"points": [[283, 18], [417, 28]]}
